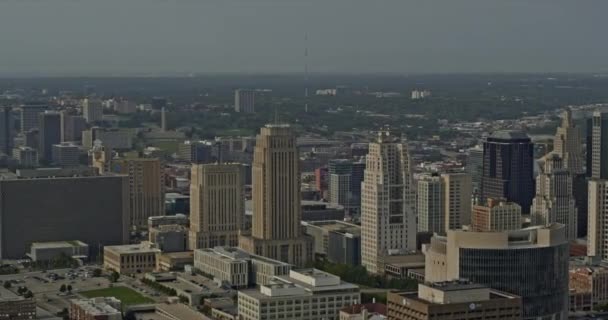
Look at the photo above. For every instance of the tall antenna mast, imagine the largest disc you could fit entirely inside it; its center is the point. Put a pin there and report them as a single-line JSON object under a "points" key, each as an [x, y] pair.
{"points": [[306, 72]]}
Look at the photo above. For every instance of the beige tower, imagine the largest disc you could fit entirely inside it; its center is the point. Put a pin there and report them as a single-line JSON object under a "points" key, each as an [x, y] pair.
{"points": [[597, 236], [276, 232], [457, 200], [216, 205], [554, 200], [146, 188], [568, 144], [388, 201]]}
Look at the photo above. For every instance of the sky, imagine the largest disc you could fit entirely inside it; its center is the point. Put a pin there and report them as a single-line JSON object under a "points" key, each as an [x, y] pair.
{"points": [[162, 37]]}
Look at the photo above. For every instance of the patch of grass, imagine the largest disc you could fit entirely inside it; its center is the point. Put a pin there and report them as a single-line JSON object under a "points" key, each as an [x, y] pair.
{"points": [[170, 146], [126, 295]]}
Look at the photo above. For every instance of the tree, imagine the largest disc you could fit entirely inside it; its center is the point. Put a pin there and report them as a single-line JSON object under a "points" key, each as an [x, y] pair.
{"points": [[97, 272], [114, 276], [21, 291], [69, 287], [7, 284], [63, 288], [28, 294]]}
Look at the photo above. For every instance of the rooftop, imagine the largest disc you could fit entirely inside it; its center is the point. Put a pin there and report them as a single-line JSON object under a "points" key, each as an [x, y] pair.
{"points": [[144, 247], [58, 244], [98, 306], [509, 135]]}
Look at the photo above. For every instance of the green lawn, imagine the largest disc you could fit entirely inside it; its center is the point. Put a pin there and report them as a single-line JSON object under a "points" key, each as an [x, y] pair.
{"points": [[126, 295]]}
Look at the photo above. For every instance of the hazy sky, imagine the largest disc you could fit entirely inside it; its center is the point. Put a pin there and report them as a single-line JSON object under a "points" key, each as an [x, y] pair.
{"points": [[90, 37]]}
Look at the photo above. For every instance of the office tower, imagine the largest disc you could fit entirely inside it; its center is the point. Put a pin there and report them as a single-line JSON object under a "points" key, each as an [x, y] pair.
{"points": [[146, 188], [100, 158], [345, 177], [457, 199], [599, 145], [123, 106], [430, 205], [474, 167], [92, 110], [454, 300], [508, 168], [66, 154], [6, 130], [26, 156], [554, 200], [163, 120], [322, 179], [496, 216], [217, 205], [31, 138], [72, 127], [244, 101], [196, 151], [531, 263], [29, 116], [57, 206], [276, 231], [568, 144], [50, 134], [597, 235], [388, 217]]}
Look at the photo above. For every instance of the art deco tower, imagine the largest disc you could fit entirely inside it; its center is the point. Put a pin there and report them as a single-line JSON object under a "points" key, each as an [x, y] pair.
{"points": [[276, 231], [388, 218]]}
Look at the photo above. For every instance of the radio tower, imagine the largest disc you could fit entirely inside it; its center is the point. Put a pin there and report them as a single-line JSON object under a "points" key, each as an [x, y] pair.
{"points": [[306, 72]]}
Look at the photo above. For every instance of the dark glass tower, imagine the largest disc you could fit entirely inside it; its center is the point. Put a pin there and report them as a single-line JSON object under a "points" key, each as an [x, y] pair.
{"points": [[508, 164], [50, 133]]}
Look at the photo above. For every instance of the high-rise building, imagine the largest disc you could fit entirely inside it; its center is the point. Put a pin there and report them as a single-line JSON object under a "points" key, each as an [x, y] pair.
{"points": [[217, 205], [597, 235], [568, 144], [26, 156], [53, 206], [599, 145], [92, 110], [6, 130], [454, 300], [554, 200], [531, 263], [345, 177], [29, 116], [508, 161], [496, 216], [276, 231], [163, 119], [388, 217], [72, 127], [50, 134], [196, 151], [430, 205], [474, 167], [66, 154], [457, 199], [244, 101], [113, 138], [146, 188]]}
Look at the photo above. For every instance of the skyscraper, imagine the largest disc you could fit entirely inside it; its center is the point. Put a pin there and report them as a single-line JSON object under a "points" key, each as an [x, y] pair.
{"points": [[244, 101], [597, 235], [6, 130], [345, 178], [599, 145], [508, 168], [146, 188], [554, 200], [568, 144], [50, 134], [29, 116], [72, 127], [474, 167], [92, 110], [217, 205], [430, 205], [388, 217], [457, 199], [496, 216], [276, 232]]}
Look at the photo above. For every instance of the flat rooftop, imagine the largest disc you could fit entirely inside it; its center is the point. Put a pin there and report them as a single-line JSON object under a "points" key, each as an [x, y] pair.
{"points": [[144, 247], [455, 285], [58, 244]]}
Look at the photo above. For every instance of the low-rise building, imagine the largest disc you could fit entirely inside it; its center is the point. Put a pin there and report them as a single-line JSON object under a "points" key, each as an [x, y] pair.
{"points": [[368, 311], [17, 308], [178, 219], [44, 251], [100, 308], [174, 261], [304, 294], [591, 281], [456, 300], [238, 268], [399, 266], [130, 258]]}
